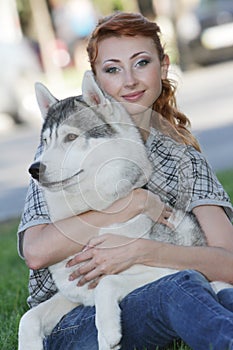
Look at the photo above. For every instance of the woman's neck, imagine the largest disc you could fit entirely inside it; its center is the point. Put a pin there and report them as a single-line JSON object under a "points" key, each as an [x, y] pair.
{"points": [[143, 122]]}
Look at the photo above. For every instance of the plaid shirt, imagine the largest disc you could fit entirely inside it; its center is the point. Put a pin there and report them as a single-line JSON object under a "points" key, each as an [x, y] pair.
{"points": [[181, 176]]}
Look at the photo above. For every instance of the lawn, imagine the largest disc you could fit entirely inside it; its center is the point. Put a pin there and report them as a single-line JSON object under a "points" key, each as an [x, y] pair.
{"points": [[14, 278], [13, 286]]}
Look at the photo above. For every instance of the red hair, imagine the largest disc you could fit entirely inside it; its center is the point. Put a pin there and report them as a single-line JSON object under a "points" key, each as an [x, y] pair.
{"points": [[133, 24]]}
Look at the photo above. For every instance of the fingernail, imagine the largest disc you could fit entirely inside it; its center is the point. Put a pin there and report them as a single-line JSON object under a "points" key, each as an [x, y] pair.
{"points": [[71, 278]]}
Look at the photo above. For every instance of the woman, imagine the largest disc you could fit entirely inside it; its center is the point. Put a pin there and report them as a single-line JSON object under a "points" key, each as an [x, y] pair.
{"points": [[129, 64]]}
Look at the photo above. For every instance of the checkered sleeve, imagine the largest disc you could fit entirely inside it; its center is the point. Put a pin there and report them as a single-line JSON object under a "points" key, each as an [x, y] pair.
{"points": [[182, 176], [35, 210], [41, 285], [206, 188]]}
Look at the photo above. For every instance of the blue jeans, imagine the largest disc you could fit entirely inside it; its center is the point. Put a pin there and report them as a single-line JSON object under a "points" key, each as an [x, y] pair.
{"points": [[182, 305]]}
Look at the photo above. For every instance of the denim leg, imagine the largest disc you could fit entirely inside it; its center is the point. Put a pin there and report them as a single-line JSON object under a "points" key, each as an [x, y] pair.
{"points": [[182, 305], [192, 310], [76, 331], [225, 297]]}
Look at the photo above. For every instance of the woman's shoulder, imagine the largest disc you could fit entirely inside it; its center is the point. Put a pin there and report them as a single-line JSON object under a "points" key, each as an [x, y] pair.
{"points": [[158, 142], [179, 166], [161, 145]]}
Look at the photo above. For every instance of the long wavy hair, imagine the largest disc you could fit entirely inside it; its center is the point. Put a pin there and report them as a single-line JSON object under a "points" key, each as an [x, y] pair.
{"points": [[133, 24]]}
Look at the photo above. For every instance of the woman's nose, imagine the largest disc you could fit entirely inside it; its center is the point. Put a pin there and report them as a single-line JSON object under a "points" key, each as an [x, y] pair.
{"points": [[130, 79]]}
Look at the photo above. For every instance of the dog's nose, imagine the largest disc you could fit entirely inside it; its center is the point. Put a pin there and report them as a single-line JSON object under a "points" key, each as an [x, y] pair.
{"points": [[36, 170]]}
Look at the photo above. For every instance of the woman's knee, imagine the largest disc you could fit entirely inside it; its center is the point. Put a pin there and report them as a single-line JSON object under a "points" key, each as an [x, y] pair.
{"points": [[186, 276], [192, 279], [225, 297], [76, 330], [191, 275]]}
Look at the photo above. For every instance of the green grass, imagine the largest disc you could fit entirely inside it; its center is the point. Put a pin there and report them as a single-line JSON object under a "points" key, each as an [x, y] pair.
{"points": [[14, 279], [226, 179], [13, 286]]}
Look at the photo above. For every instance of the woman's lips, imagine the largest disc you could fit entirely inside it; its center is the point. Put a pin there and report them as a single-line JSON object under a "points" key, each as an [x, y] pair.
{"points": [[133, 97]]}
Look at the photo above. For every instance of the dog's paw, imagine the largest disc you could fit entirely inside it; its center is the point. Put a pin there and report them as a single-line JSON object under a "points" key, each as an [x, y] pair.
{"points": [[31, 345], [30, 332], [103, 345], [110, 340], [114, 338], [108, 346], [117, 347]]}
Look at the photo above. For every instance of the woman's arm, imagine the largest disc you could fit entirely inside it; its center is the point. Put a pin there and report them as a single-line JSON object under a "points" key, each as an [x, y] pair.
{"points": [[216, 226], [46, 244], [214, 261]]}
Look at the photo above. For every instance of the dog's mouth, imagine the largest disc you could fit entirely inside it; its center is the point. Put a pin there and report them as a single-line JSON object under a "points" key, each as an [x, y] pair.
{"points": [[60, 184]]}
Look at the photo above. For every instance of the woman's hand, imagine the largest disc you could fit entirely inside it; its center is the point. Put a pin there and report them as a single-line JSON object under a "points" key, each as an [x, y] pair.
{"points": [[110, 253], [104, 255], [156, 209]]}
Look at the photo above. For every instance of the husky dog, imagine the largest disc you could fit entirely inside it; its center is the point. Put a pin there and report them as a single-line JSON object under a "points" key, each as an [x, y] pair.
{"points": [[92, 155]]}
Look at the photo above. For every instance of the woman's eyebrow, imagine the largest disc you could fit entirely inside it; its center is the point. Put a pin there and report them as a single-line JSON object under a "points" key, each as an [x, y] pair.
{"points": [[138, 53], [131, 57], [111, 60]]}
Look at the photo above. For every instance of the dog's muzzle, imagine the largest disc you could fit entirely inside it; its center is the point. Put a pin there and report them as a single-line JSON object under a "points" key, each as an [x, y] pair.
{"points": [[37, 170]]}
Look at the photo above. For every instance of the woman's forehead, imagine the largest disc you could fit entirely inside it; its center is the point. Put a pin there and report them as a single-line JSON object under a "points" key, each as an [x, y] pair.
{"points": [[114, 47]]}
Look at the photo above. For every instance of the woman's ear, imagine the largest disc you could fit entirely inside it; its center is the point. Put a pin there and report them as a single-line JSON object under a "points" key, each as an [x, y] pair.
{"points": [[165, 66]]}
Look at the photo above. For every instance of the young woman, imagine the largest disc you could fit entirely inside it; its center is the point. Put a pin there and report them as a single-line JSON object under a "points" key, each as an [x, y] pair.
{"points": [[130, 64]]}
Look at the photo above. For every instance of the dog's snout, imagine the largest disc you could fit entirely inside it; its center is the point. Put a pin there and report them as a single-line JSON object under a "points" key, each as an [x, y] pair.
{"points": [[36, 170]]}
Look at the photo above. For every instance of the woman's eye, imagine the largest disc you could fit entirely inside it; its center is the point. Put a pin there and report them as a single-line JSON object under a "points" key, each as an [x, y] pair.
{"points": [[70, 137], [143, 63], [112, 70]]}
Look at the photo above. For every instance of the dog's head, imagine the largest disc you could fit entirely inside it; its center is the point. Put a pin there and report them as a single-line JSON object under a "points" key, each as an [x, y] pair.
{"points": [[89, 140]]}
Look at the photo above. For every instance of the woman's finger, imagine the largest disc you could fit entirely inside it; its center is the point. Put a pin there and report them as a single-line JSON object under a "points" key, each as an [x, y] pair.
{"points": [[85, 254], [83, 270], [95, 241], [89, 277], [167, 214], [94, 283]]}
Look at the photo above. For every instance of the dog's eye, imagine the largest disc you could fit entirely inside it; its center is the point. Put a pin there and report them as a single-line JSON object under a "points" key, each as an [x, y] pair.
{"points": [[70, 137], [44, 140]]}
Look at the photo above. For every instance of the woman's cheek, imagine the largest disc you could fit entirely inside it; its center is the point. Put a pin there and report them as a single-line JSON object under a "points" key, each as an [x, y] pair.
{"points": [[110, 84]]}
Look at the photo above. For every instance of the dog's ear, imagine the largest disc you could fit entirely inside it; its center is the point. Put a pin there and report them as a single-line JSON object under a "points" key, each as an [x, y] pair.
{"points": [[44, 98], [92, 94]]}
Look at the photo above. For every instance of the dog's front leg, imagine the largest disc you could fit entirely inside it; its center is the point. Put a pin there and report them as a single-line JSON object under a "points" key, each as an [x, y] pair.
{"points": [[110, 291], [108, 316], [108, 294], [39, 321]]}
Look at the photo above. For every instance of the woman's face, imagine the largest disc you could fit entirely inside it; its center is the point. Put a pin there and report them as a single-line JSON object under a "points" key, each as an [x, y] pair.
{"points": [[128, 69]]}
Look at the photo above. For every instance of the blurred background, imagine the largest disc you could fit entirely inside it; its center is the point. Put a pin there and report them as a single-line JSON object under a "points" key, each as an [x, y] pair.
{"points": [[45, 40]]}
